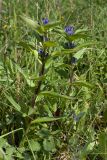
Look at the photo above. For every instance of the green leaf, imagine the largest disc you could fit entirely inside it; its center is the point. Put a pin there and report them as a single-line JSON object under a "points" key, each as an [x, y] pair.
{"points": [[2, 142], [87, 149], [102, 147], [51, 25], [49, 144], [12, 101], [27, 46], [2, 155], [9, 152], [54, 94], [81, 83], [33, 24], [49, 44], [62, 72], [72, 51], [44, 133], [80, 53], [29, 21], [29, 81], [88, 44], [34, 145], [45, 119], [4, 135], [46, 108], [75, 36]]}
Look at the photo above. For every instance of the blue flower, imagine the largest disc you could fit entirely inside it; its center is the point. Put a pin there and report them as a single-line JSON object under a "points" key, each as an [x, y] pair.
{"points": [[73, 60], [40, 51], [45, 20], [69, 30]]}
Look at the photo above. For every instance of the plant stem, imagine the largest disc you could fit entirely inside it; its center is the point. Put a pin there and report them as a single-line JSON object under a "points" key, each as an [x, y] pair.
{"points": [[70, 80], [37, 89]]}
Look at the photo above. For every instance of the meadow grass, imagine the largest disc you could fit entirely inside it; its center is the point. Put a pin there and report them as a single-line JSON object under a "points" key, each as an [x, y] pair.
{"points": [[52, 84]]}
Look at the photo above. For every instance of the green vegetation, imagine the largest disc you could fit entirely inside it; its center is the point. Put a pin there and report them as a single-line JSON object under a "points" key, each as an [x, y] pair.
{"points": [[53, 80]]}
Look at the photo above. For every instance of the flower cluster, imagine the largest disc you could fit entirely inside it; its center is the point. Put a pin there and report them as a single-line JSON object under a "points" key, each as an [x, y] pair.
{"points": [[73, 60], [43, 38], [69, 30], [45, 21], [42, 53], [69, 45]]}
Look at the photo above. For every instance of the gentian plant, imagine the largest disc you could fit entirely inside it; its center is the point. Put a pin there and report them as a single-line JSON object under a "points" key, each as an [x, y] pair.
{"points": [[45, 98]]}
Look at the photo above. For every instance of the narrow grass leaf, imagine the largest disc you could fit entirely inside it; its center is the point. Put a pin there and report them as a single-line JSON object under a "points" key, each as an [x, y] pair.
{"points": [[81, 83], [4, 135], [54, 94], [45, 119], [12, 101]]}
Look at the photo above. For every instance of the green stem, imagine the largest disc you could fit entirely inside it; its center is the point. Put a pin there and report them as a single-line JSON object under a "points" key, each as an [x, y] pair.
{"points": [[71, 80], [37, 89]]}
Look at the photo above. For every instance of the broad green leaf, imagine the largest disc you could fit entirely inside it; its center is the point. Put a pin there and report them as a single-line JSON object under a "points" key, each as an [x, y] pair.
{"points": [[84, 30], [56, 53], [9, 152], [30, 22], [88, 44], [12, 101], [33, 24], [62, 72], [36, 55], [45, 119], [49, 144], [51, 25], [80, 53], [54, 94], [74, 50], [102, 147], [43, 133], [46, 107], [2, 142], [75, 36], [49, 44], [86, 150], [35, 145], [3, 155]]}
